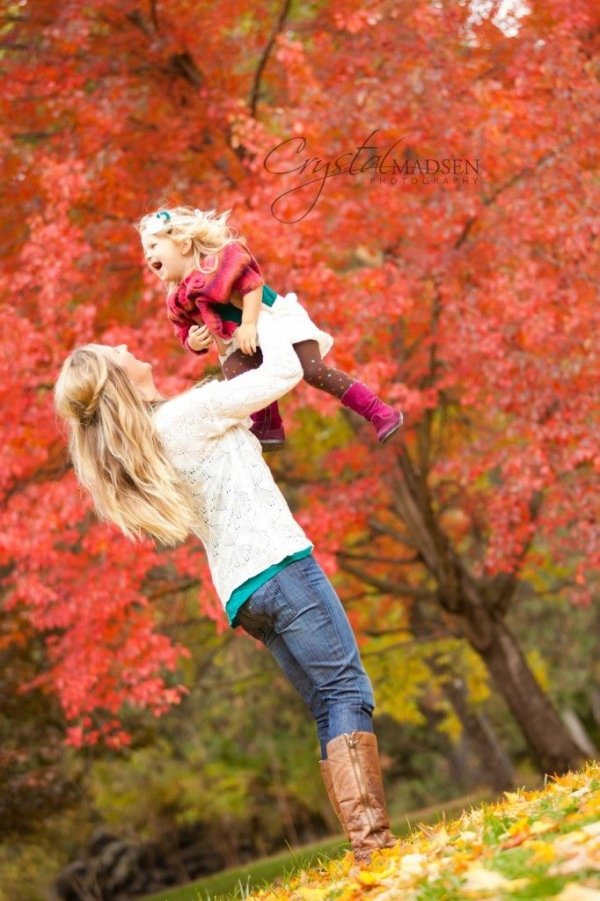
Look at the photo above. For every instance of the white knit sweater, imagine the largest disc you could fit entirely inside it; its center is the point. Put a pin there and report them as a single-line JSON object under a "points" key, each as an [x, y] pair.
{"points": [[244, 521]]}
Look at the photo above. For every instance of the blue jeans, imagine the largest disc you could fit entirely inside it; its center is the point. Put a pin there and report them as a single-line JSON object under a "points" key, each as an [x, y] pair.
{"points": [[300, 618]]}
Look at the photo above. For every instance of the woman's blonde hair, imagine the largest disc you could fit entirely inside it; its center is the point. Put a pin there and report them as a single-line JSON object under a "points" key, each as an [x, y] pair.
{"points": [[207, 229], [116, 452]]}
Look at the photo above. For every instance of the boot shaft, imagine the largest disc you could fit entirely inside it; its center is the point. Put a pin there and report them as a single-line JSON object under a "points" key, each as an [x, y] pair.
{"points": [[364, 401], [356, 778]]}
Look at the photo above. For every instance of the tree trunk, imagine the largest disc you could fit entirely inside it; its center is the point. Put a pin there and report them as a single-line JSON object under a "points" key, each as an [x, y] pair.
{"points": [[478, 607], [549, 740], [494, 768]]}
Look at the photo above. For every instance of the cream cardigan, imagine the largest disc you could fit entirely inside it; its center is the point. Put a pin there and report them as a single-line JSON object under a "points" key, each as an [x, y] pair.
{"points": [[243, 519]]}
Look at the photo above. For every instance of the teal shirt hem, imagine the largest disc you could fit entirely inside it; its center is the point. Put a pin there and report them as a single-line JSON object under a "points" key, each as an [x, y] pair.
{"points": [[231, 313], [241, 594]]}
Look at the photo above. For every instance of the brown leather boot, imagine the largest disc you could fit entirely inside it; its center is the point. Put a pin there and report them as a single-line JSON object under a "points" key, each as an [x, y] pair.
{"points": [[356, 780], [326, 776]]}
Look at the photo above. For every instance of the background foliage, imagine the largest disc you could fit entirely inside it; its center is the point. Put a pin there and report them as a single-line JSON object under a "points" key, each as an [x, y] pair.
{"points": [[467, 553]]}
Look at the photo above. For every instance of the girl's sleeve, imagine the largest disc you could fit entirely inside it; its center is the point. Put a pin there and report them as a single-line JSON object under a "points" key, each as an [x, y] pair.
{"points": [[238, 270], [182, 325], [229, 402]]}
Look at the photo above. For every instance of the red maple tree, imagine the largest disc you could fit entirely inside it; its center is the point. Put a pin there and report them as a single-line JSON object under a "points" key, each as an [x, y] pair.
{"points": [[470, 304]]}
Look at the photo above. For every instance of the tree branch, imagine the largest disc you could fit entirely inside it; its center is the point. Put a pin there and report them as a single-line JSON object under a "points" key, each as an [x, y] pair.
{"points": [[347, 555], [424, 639], [254, 93], [518, 176], [384, 529], [154, 15], [387, 586], [167, 590]]}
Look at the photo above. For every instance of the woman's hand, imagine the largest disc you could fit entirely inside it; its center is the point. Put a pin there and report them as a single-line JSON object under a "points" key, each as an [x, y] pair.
{"points": [[246, 337], [199, 337]]}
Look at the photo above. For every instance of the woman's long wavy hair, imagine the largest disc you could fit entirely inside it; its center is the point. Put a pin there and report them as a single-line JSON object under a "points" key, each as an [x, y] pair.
{"points": [[116, 452]]}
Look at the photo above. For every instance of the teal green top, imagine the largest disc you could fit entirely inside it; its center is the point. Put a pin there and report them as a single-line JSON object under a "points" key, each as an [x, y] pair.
{"points": [[243, 591], [230, 313]]}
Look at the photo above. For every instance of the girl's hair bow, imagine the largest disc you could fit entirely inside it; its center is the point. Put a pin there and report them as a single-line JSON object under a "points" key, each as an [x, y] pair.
{"points": [[157, 223]]}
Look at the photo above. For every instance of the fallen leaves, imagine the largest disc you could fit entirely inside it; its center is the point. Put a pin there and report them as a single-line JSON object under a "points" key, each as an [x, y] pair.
{"points": [[524, 829], [578, 893], [543, 844], [479, 879]]}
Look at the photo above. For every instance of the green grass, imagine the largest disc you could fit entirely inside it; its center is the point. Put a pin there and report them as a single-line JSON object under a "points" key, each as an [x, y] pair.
{"points": [[236, 882]]}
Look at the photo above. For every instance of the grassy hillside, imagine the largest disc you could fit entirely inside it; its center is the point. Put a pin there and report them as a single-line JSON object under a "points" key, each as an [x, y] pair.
{"points": [[531, 845], [237, 882]]}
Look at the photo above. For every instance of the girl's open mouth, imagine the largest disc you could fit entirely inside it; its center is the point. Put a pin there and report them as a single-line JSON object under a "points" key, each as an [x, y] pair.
{"points": [[157, 265]]}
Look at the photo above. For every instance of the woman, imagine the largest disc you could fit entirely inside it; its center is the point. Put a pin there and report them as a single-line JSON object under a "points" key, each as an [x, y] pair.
{"points": [[190, 464]]}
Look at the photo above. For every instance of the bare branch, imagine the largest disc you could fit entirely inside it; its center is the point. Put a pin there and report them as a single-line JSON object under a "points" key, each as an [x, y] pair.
{"points": [[386, 585], [154, 15], [176, 588], [254, 93], [398, 561], [401, 645], [183, 65], [384, 529], [514, 179]]}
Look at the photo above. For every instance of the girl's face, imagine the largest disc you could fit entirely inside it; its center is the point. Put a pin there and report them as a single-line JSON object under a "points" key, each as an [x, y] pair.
{"points": [[169, 261]]}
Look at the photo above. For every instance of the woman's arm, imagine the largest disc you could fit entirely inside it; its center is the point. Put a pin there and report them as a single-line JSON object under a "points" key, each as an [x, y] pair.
{"points": [[251, 391]]}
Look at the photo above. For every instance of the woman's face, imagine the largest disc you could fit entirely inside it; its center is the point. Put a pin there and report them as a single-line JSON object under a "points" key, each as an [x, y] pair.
{"points": [[140, 373]]}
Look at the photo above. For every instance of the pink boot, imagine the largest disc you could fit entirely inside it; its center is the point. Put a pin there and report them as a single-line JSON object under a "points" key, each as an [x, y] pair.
{"points": [[365, 402], [267, 426]]}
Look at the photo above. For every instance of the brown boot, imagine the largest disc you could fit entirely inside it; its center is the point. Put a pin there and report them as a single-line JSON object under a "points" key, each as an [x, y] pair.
{"points": [[326, 775], [356, 780]]}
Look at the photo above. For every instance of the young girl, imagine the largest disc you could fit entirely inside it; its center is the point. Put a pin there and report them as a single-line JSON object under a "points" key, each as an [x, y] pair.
{"points": [[216, 289], [156, 467]]}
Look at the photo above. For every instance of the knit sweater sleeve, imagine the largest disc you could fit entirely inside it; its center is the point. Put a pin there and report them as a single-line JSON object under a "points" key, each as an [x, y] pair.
{"points": [[237, 270], [182, 330], [182, 323], [220, 404]]}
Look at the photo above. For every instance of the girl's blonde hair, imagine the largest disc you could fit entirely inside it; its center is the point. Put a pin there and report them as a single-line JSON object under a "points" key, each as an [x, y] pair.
{"points": [[116, 452], [207, 229]]}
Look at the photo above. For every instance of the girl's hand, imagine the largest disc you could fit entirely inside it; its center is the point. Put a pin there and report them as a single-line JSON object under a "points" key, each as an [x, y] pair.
{"points": [[199, 337], [246, 337]]}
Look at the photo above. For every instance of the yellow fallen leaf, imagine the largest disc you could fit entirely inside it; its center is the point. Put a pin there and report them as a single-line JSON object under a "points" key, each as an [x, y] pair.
{"points": [[572, 892], [588, 837], [466, 837], [578, 851], [440, 839], [543, 825], [349, 893], [413, 863], [591, 806], [573, 866], [592, 829], [367, 878], [478, 878], [305, 893], [543, 852], [520, 825], [382, 873], [516, 840], [585, 790]]}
